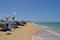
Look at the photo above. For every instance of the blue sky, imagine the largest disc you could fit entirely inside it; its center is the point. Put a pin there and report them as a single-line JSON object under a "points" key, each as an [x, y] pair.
{"points": [[33, 10]]}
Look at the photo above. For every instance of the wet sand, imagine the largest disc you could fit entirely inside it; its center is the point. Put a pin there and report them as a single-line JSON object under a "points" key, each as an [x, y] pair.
{"points": [[22, 33], [47, 34]]}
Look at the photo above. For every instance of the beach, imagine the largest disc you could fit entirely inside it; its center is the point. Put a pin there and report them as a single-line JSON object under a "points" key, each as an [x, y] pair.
{"points": [[22, 33], [47, 33], [31, 31]]}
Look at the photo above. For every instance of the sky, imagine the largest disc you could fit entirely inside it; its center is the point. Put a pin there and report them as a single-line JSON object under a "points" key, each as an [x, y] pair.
{"points": [[32, 10]]}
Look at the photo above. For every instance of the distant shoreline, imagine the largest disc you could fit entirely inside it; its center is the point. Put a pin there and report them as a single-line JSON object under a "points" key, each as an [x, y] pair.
{"points": [[47, 31], [45, 27]]}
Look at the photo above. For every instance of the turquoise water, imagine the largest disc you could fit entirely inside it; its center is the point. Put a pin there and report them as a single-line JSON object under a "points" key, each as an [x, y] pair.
{"points": [[50, 24]]}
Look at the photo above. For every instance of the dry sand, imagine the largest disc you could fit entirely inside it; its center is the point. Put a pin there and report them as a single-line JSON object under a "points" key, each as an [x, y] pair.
{"points": [[22, 33]]}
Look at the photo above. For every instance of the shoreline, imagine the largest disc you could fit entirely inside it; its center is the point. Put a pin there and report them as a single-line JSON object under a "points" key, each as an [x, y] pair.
{"points": [[31, 31], [48, 32], [48, 28], [51, 29]]}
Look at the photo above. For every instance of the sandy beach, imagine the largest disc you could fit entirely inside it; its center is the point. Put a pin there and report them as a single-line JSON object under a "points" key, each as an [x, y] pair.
{"points": [[30, 31], [47, 33], [22, 33]]}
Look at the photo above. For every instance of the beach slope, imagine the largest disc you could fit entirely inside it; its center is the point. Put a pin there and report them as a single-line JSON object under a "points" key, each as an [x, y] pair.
{"points": [[22, 33]]}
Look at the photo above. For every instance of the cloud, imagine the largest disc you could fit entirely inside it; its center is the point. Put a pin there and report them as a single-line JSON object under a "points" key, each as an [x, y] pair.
{"points": [[14, 13]]}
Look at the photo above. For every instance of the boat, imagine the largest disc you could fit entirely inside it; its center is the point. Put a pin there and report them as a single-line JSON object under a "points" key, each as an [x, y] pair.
{"points": [[5, 24]]}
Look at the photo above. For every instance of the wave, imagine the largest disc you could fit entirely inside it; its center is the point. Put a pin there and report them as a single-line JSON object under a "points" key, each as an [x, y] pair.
{"points": [[46, 29]]}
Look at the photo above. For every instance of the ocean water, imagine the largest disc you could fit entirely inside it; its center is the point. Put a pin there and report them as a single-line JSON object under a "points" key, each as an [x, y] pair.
{"points": [[49, 24]]}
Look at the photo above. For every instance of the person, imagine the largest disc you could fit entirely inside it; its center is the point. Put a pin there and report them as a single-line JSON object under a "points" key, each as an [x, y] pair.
{"points": [[5, 28], [6, 25]]}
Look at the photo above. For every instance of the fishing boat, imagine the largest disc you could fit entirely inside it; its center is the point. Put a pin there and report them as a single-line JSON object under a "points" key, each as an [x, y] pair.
{"points": [[4, 25]]}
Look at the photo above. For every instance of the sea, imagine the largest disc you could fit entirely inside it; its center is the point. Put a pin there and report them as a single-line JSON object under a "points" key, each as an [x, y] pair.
{"points": [[54, 26], [51, 30], [49, 24]]}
